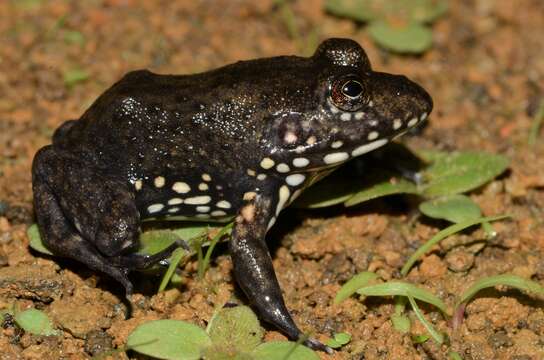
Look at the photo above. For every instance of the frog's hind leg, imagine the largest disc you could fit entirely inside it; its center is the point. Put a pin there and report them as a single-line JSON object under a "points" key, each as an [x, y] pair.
{"points": [[87, 216], [58, 234]]}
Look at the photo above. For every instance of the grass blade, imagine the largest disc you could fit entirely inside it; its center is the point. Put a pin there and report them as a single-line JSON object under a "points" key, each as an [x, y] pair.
{"points": [[175, 259], [356, 282], [392, 288], [437, 336], [442, 234]]}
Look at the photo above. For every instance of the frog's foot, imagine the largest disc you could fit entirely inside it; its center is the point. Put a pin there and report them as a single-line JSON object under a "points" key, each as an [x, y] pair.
{"points": [[254, 272], [136, 261], [82, 216]]}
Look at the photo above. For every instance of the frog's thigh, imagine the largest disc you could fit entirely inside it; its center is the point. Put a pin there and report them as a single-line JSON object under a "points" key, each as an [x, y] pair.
{"points": [[100, 208], [58, 233]]}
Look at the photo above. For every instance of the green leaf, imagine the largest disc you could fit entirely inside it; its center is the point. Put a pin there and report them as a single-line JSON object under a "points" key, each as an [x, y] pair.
{"points": [[441, 235], [506, 280], [284, 350], [437, 336], [406, 38], [452, 355], [453, 208], [152, 242], [334, 190], [75, 76], [400, 186], [420, 339], [74, 37], [169, 339], [351, 286], [353, 9], [339, 340], [392, 288], [236, 328], [36, 243], [461, 172], [401, 323], [35, 322]]}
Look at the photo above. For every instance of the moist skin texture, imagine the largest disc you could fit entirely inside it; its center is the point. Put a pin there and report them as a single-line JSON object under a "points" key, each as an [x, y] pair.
{"points": [[242, 141]]}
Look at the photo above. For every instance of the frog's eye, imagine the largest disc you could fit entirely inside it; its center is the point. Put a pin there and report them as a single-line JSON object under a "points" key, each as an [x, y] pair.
{"points": [[348, 94], [352, 89]]}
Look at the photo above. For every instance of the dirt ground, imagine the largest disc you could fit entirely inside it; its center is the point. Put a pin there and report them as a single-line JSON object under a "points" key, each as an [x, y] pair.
{"points": [[485, 73]]}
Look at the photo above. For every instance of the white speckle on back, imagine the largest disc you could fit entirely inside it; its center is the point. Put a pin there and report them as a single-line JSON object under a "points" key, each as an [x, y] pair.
{"points": [[181, 187], [345, 116], [295, 179], [335, 157], [261, 177], [159, 182], [423, 116], [370, 103], [175, 201], [359, 115], [138, 185], [203, 186], [337, 144], [206, 177], [198, 200], [267, 163], [300, 162], [397, 123], [218, 213], [271, 223], [412, 122], [373, 135], [282, 168], [282, 198], [223, 204], [300, 149], [154, 208], [251, 172], [363, 149], [202, 209]]}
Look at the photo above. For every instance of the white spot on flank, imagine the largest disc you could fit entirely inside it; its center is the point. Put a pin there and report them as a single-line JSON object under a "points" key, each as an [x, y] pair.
{"points": [[370, 103], [345, 117], [159, 182], [175, 201], [311, 140], [203, 209], [271, 223], [412, 122], [250, 195], [198, 200], [267, 163], [224, 204], [261, 177], [363, 149], [300, 149], [335, 157], [154, 208], [202, 186], [373, 135], [206, 177], [181, 187], [282, 199], [282, 168], [138, 185], [290, 137], [300, 162], [295, 179], [202, 216], [337, 144], [173, 210], [251, 172], [218, 213], [359, 115], [397, 124], [423, 116]]}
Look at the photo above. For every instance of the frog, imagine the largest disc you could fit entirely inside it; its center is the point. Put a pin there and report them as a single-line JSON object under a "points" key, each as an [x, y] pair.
{"points": [[238, 143]]}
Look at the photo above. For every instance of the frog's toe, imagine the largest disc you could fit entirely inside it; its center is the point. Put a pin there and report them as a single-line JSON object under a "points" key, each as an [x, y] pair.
{"points": [[318, 346], [137, 261]]}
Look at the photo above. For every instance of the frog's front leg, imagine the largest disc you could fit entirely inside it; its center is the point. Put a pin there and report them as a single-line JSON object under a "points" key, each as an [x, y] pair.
{"points": [[253, 267]]}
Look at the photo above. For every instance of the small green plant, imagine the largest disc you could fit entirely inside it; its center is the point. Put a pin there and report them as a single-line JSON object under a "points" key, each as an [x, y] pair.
{"points": [[397, 25], [32, 321], [339, 340], [441, 186], [233, 333]]}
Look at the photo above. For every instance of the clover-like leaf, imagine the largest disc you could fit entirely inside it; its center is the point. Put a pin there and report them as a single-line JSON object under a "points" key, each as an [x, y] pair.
{"points": [[401, 37], [35, 322], [453, 208]]}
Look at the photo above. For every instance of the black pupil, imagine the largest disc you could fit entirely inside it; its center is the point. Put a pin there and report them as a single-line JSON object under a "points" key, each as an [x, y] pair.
{"points": [[352, 88]]}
